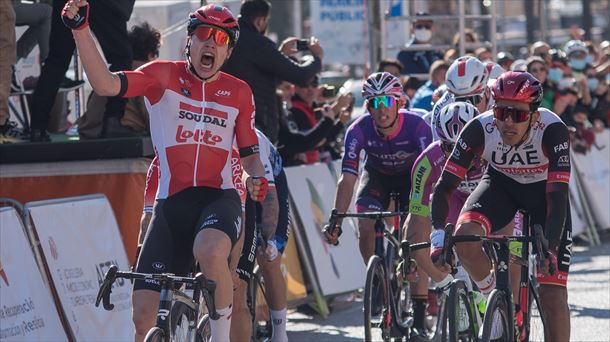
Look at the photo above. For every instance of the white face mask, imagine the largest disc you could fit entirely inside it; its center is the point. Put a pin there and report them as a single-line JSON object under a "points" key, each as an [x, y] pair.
{"points": [[423, 35]]}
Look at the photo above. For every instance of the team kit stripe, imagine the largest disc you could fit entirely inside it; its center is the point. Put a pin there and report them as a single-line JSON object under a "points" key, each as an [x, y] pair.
{"points": [[558, 176], [473, 216], [455, 169]]}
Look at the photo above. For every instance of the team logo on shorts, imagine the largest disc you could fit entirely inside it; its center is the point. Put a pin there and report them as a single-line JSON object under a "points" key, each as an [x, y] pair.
{"points": [[158, 265]]}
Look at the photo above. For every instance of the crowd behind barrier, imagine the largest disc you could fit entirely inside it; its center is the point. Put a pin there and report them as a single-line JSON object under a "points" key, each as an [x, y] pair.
{"points": [[51, 265]]}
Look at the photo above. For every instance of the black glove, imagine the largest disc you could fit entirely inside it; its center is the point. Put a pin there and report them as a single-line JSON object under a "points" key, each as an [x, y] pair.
{"points": [[80, 20]]}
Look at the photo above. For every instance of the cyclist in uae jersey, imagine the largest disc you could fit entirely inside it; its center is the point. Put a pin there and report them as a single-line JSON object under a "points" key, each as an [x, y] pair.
{"points": [[392, 140], [527, 150], [426, 171], [196, 112]]}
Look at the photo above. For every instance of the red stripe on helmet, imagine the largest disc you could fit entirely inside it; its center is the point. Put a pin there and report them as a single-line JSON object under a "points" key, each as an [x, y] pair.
{"points": [[461, 68]]}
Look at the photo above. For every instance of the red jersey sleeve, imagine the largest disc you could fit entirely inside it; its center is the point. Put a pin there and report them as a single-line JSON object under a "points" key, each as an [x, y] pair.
{"points": [[247, 141], [149, 80]]}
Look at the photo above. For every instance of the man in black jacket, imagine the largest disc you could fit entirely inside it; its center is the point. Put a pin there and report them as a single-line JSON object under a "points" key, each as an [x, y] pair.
{"points": [[257, 61]]}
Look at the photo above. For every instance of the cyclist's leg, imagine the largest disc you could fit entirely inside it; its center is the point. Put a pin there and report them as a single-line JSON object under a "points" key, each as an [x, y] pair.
{"points": [[218, 231], [553, 289], [245, 266], [487, 209], [372, 196]]}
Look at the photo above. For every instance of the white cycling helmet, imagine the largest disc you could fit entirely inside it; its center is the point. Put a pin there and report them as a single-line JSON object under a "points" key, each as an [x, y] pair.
{"points": [[382, 83], [452, 119], [466, 76], [494, 70], [575, 46]]}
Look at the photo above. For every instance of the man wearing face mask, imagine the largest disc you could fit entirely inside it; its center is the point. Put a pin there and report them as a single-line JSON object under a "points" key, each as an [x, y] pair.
{"points": [[419, 61], [257, 61], [578, 55]]}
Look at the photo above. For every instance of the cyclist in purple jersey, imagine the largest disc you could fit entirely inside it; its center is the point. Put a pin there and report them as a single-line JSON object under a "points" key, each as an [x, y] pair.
{"points": [[426, 172], [392, 140]]}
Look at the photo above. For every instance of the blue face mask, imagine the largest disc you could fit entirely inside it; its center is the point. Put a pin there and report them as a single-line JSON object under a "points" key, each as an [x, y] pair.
{"points": [[589, 59], [555, 74], [592, 83], [577, 64]]}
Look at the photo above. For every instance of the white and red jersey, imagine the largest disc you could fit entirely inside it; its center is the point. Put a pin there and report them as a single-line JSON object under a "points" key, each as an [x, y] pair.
{"points": [[152, 181], [193, 123]]}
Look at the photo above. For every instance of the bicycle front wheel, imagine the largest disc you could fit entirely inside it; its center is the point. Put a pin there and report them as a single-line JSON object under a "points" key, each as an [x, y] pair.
{"points": [[377, 315], [181, 317], [535, 319], [204, 332], [498, 323], [155, 334], [460, 316]]}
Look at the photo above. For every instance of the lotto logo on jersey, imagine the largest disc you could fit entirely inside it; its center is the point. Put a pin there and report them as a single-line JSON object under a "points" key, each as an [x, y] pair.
{"points": [[198, 135]]}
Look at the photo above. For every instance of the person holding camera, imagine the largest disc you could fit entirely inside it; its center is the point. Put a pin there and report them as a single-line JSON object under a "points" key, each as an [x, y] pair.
{"points": [[257, 61]]}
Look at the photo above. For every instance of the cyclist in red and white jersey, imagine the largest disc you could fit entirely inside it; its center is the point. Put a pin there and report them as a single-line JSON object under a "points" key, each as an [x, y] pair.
{"points": [[196, 112], [527, 151]]}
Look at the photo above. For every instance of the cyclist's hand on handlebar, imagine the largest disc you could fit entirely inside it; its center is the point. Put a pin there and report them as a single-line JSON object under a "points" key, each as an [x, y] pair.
{"points": [[257, 186], [75, 14], [331, 232], [549, 266], [437, 241]]}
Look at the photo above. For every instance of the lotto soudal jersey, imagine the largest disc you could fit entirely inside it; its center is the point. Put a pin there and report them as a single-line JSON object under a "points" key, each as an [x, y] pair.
{"points": [[392, 155], [543, 156], [193, 123], [427, 170]]}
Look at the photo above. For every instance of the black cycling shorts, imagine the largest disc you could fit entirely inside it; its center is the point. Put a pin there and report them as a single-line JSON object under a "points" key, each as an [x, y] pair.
{"points": [[176, 220], [374, 190], [495, 201]]}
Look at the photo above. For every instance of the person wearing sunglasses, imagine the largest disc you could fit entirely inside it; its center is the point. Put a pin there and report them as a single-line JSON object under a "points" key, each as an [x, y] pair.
{"points": [[419, 61], [392, 139], [196, 113], [527, 149], [538, 68], [426, 172]]}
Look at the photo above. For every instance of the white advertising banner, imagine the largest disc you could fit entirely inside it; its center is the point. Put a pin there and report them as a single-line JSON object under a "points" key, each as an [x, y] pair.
{"points": [[80, 239], [579, 220], [27, 311], [594, 170], [341, 27], [339, 268]]}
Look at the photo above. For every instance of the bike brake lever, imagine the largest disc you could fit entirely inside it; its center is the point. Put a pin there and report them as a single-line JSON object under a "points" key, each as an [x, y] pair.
{"points": [[208, 288], [447, 255], [106, 289]]}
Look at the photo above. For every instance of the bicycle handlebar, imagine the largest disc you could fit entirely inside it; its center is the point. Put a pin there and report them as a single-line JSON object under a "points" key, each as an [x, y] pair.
{"points": [[373, 215]]}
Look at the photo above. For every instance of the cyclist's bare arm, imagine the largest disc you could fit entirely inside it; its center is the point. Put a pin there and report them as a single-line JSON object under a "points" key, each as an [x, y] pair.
{"points": [[144, 222], [103, 81], [345, 190], [470, 144], [556, 144], [270, 214], [417, 223]]}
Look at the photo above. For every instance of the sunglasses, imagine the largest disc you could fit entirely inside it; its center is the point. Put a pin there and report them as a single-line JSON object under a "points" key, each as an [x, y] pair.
{"points": [[516, 115], [423, 26], [386, 100], [205, 32], [534, 70], [473, 100]]}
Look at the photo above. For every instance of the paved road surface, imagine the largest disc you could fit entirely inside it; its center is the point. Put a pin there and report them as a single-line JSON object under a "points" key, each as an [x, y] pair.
{"points": [[589, 299]]}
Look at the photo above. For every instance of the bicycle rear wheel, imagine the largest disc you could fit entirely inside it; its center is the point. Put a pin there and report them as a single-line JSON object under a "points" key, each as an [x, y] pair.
{"points": [[498, 324], [535, 319], [261, 316], [155, 334], [377, 315], [180, 318], [460, 316]]}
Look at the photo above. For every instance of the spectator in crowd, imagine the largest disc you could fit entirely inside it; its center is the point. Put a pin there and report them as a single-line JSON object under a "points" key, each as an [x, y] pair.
{"points": [[577, 53], [409, 87], [518, 65], [8, 129], [37, 16], [558, 66], [470, 37], [505, 59], [393, 66], [538, 67], [599, 109], [582, 137], [541, 49], [257, 61], [451, 55], [109, 23], [422, 99], [593, 53], [145, 43], [419, 61], [306, 114], [483, 54]]}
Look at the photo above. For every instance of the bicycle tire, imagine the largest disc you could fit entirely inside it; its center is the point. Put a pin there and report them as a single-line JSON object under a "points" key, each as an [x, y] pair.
{"points": [[459, 304], [439, 331], [498, 306], [155, 334], [375, 271], [261, 316], [180, 317], [535, 320], [204, 332]]}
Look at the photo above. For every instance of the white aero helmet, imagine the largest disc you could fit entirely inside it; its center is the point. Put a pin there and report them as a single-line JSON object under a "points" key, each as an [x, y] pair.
{"points": [[466, 76], [494, 70], [575, 46], [382, 83], [452, 120]]}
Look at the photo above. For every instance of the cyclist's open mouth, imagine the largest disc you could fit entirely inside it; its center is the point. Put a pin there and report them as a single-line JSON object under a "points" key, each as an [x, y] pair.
{"points": [[207, 60]]}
